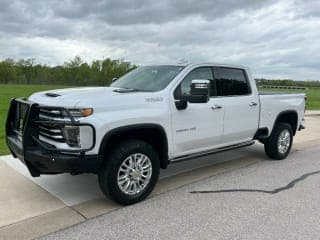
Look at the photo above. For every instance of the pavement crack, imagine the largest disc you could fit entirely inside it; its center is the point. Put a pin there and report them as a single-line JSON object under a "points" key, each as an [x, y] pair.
{"points": [[275, 191]]}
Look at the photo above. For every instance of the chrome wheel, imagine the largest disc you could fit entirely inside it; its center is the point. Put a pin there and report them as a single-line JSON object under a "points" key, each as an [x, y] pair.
{"points": [[284, 141], [134, 173]]}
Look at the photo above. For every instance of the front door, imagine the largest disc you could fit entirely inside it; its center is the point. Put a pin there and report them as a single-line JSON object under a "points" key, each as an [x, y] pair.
{"points": [[199, 127]]}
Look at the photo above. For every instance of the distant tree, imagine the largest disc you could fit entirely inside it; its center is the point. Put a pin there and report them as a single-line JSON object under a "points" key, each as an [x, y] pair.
{"points": [[27, 67], [7, 71], [286, 82], [99, 72]]}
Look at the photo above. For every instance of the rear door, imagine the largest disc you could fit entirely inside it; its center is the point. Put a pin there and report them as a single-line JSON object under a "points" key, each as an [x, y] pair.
{"points": [[241, 106]]}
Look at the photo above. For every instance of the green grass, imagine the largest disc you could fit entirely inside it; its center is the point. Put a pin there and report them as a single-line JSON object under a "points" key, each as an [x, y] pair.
{"points": [[313, 94], [7, 92]]}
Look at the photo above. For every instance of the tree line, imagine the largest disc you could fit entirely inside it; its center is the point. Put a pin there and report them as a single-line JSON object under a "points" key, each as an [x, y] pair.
{"points": [[287, 82], [74, 72]]}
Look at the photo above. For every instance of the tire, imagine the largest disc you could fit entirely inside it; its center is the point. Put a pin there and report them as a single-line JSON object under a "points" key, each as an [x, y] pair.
{"points": [[114, 182], [274, 147]]}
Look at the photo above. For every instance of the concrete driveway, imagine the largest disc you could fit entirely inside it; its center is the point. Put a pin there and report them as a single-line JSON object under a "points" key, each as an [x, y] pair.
{"points": [[238, 205], [264, 200]]}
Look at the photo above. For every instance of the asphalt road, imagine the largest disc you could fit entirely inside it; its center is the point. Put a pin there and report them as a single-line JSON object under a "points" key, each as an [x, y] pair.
{"points": [[264, 200]]}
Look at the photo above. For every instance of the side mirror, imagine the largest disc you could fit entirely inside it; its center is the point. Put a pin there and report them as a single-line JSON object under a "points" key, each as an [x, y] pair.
{"points": [[200, 91], [114, 79]]}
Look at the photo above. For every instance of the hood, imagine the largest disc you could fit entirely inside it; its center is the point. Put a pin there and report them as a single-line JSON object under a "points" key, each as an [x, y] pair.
{"points": [[91, 97]]}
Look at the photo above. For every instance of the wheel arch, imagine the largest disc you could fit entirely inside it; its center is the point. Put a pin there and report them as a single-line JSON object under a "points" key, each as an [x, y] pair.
{"points": [[154, 134], [288, 116]]}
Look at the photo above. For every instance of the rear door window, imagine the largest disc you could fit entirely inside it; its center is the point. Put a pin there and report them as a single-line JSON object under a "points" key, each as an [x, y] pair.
{"points": [[231, 82]]}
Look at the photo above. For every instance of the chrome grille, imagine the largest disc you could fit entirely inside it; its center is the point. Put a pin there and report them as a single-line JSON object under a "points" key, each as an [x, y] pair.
{"points": [[48, 114], [52, 132]]}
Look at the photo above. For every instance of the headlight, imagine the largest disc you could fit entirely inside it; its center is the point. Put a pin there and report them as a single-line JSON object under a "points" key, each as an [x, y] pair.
{"points": [[80, 112], [72, 135], [79, 136]]}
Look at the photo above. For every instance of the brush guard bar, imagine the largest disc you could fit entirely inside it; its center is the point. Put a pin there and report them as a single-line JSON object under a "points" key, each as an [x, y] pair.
{"points": [[22, 137]]}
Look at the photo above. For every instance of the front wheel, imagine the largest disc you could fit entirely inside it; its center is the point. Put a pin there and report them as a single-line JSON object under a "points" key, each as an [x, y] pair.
{"points": [[130, 173], [279, 143]]}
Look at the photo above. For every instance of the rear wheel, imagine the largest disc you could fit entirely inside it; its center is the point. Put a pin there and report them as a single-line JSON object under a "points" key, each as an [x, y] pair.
{"points": [[279, 143], [130, 172]]}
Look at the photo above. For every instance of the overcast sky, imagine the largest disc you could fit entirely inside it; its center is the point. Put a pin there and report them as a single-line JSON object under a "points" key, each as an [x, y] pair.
{"points": [[276, 38]]}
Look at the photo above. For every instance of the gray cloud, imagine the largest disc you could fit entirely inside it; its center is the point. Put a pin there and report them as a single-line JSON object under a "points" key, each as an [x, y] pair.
{"points": [[149, 11], [275, 38]]}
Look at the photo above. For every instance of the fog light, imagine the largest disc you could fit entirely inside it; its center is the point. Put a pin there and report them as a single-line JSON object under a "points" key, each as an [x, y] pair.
{"points": [[72, 135]]}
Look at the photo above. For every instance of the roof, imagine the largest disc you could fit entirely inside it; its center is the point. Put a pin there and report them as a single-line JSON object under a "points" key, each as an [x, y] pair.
{"points": [[216, 64]]}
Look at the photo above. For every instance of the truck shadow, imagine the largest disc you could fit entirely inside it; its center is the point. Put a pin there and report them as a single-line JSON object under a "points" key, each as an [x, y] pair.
{"points": [[275, 191]]}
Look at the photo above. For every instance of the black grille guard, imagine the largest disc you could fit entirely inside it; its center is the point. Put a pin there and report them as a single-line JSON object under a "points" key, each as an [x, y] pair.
{"points": [[26, 129]]}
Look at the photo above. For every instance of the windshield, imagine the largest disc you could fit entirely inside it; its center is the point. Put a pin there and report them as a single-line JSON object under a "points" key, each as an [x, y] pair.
{"points": [[148, 78]]}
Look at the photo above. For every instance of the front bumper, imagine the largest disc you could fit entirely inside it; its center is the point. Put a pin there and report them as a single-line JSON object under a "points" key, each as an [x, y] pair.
{"points": [[22, 137]]}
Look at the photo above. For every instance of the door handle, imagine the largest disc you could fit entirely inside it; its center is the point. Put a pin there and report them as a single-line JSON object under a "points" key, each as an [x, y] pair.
{"points": [[214, 107], [253, 104]]}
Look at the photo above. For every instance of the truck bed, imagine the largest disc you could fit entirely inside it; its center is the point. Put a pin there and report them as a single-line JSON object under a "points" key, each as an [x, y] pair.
{"points": [[271, 104]]}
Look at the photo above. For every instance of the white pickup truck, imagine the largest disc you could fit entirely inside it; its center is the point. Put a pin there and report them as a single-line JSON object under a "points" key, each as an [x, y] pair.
{"points": [[147, 119]]}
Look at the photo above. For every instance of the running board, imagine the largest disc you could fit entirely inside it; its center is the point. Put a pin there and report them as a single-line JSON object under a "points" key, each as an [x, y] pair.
{"points": [[210, 152]]}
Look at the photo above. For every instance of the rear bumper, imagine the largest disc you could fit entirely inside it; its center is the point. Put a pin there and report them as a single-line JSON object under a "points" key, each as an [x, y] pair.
{"points": [[302, 125], [39, 157]]}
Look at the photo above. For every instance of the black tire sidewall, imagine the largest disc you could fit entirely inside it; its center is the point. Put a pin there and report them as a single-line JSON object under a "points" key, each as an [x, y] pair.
{"points": [[271, 145], [108, 179]]}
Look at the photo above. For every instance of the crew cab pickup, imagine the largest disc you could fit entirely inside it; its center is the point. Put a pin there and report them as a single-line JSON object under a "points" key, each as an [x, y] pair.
{"points": [[149, 118]]}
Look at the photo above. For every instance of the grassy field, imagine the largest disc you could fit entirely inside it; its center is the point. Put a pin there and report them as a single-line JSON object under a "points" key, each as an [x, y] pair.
{"points": [[313, 94], [9, 91], [6, 93]]}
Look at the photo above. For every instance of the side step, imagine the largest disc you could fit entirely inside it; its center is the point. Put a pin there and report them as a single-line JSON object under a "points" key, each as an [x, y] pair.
{"points": [[210, 152]]}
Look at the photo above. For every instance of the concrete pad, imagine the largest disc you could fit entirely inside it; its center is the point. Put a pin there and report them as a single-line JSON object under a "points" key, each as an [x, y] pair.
{"points": [[176, 176], [96, 207], [41, 225], [312, 113], [169, 182], [292, 213], [306, 144], [70, 189], [21, 199], [74, 190], [198, 174], [311, 132]]}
